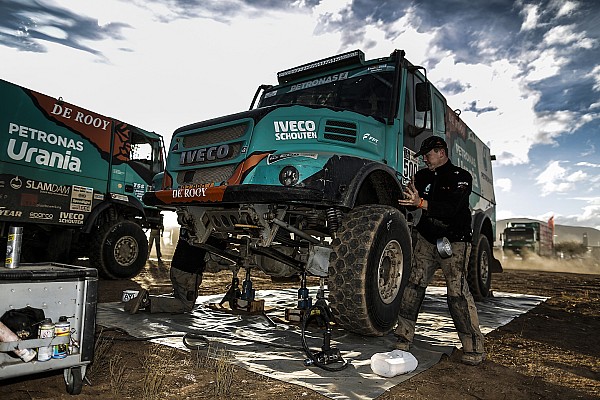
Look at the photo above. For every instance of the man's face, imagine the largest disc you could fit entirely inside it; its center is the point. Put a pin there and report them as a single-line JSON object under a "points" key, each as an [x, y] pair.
{"points": [[435, 158]]}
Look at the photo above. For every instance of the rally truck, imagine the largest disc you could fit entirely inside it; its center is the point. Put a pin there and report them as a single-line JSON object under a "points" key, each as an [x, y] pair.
{"points": [[74, 180], [307, 182], [528, 236]]}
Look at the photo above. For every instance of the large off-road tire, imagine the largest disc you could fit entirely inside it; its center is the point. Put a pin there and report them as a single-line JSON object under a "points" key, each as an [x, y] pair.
{"points": [[368, 269], [479, 274], [119, 250]]}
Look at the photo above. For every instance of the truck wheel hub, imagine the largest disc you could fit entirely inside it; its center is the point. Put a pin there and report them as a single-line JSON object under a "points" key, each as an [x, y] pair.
{"points": [[126, 251], [389, 273]]}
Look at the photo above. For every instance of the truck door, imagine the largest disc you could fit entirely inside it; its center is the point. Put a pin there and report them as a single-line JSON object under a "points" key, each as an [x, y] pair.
{"points": [[416, 127]]}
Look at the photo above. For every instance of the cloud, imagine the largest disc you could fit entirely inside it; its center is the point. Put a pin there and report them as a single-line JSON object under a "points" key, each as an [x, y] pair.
{"points": [[552, 179], [32, 26], [557, 179], [504, 184], [530, 13]]}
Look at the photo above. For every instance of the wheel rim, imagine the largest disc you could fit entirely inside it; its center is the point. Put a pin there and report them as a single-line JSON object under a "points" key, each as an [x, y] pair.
{"points": [[126, 251], [389, 272], [484, 266]]}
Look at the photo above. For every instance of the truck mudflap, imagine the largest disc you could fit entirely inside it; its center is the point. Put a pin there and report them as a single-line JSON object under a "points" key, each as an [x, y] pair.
{"points": [[234, 195]]}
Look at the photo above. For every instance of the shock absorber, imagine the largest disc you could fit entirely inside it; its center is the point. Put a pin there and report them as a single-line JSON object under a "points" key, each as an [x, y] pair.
{"points": [[334, 217]]}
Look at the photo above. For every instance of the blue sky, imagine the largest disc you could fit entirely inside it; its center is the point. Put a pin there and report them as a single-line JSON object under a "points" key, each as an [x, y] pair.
{"points": [[525, 74]]}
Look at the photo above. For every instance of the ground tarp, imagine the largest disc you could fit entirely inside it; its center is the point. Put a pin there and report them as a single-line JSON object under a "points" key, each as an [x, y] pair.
{"points": [[270, 347]]}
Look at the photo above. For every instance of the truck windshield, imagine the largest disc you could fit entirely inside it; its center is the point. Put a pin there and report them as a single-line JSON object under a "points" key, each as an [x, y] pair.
{"points": [[367, 90], [519, 235]]}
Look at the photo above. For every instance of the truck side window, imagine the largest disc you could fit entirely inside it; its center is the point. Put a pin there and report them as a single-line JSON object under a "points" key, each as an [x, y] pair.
{"points": [[439, 107]]}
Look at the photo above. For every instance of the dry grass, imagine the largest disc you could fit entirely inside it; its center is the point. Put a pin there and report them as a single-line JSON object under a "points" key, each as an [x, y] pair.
{"points": [[102, 348], [218, 360], [156, 363], [224, 372], [118, 376]]}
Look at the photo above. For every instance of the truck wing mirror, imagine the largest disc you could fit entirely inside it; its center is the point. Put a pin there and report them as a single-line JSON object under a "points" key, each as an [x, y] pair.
{"points": [[422, 102]]}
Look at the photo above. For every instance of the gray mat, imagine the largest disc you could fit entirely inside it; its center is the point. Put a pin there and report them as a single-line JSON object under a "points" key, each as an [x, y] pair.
{"points": [[280, 355]]}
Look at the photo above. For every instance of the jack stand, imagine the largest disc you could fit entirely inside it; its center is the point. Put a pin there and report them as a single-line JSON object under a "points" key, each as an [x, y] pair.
{"points": [[247, 300], [233, 293], [304, 302]]}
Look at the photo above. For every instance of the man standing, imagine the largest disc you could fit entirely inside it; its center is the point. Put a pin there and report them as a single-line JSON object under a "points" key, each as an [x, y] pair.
{"points": [[155, 236], [442, 191]]}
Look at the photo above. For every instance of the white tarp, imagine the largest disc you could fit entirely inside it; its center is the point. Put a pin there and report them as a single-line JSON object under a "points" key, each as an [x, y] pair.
{"points": [[283, 359]]}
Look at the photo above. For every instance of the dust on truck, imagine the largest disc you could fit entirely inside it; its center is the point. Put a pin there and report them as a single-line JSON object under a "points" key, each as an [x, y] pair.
{"points": [[307, 183], [74, 180]]}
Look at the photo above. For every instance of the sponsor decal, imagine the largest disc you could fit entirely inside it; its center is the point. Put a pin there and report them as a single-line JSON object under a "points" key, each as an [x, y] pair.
{"points": [[25, 151], [16, 183], [85, 119], [189, 192], [295, 130], [81, 198], [120, 197], [199, 156], [370, 138], [48, 188], [98, 196], [321, 81], [273, 158], [10, 213], [197, 185], [71, 218], [40, 215], [270, 94]]}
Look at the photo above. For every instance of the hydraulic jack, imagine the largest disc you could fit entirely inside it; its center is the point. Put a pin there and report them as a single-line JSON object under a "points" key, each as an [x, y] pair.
{"points": [[328, 355], [304, 302]]}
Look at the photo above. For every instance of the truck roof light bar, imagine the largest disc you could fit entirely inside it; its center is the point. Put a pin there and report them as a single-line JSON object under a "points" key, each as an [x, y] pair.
{"points": [[349, 58]]}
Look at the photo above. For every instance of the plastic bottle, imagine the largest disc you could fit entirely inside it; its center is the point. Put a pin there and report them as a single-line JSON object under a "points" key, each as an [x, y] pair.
{"points": [[393, 363], [6, 335]]}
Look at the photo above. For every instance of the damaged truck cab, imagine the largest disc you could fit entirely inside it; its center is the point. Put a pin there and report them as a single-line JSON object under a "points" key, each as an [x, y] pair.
{"points": [[307, 182]]}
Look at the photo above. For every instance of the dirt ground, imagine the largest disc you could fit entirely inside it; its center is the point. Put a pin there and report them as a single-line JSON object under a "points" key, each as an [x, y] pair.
{"points": [[551, 352]]}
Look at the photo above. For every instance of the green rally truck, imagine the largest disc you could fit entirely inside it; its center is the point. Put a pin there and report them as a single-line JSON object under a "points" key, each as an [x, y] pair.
{"points": [[307, 181], [74, 180]]}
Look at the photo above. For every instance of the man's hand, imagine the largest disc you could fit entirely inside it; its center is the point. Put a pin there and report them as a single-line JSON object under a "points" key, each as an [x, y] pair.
{"points": [[411, 196]]}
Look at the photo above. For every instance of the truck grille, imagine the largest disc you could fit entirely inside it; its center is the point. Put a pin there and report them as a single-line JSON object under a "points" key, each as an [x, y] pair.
{"points": [[218, 135], [206, 175], [342, 131], [216, 174]]}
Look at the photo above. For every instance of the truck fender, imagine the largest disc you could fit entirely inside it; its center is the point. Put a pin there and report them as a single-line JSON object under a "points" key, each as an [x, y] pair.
{"points": [[380, 177], [132, 203]]}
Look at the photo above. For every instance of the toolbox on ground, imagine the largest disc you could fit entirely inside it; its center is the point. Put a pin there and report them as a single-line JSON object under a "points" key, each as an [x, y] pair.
{"points": [[59, 290]]}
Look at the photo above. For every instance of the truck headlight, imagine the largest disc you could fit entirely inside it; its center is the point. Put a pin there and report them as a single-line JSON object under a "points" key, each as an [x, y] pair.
{"points": [[289, 176]]}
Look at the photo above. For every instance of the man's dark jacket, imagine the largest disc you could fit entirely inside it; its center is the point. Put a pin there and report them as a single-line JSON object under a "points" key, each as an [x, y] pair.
{"points": [[447, 191]]}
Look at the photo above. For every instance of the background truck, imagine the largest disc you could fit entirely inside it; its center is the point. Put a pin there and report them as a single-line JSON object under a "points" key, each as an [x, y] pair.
{"points": [[307, 183], [532, 236], [74, 181]]}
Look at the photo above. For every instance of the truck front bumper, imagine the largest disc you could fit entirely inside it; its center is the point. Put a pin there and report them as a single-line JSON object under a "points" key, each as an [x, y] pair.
{"points": [[234, 195]]}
